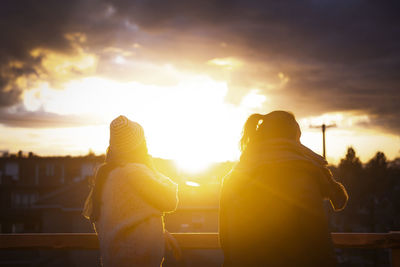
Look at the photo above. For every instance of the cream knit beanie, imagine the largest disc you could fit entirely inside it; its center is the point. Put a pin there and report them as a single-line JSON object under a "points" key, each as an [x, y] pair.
{"points": [[125, 135]]}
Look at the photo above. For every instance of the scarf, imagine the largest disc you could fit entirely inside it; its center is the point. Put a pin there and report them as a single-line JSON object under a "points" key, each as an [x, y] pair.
{"points": [[276, 151]]}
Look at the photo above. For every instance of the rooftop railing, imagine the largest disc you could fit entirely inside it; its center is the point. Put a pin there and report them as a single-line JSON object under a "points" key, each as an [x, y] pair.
{"points": [[88, 241]]}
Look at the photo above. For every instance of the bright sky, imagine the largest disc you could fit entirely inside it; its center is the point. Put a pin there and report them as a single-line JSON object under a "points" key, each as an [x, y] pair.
{"points": [[190, 121], [191, 73]]}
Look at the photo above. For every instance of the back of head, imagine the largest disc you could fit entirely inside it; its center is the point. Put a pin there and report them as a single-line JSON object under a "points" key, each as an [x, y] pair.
{"points": [[277, 124], [127, 145], [127, 141]]}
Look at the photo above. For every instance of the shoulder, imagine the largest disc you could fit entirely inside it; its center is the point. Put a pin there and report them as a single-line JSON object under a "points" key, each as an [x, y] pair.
{"points": [[131, 170], [137, 168], [142, 172], [233, 181]]}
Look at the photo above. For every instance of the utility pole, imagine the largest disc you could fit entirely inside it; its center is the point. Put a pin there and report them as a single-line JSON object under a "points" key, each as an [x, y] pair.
{"points": [[323, 127]]}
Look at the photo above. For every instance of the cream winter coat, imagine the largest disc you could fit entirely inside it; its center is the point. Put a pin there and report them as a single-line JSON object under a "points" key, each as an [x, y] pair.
{"points": [[130, 227]]}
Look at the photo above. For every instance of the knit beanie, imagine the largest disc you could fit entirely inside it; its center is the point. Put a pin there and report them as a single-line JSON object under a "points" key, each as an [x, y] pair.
{"points": [[125, 135]]}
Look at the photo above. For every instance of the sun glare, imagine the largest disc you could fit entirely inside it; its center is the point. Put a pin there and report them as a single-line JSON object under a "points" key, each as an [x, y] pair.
{"points": [[189, 122], [228, 62], [193, 165], [194, 184]]}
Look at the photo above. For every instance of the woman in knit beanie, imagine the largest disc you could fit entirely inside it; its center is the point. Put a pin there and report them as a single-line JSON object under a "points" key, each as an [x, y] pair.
{"points": [[128, 199], [271, 206]]}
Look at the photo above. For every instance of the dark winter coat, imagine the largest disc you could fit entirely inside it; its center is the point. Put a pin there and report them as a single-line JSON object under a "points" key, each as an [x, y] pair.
{"points": [[271, 208]]}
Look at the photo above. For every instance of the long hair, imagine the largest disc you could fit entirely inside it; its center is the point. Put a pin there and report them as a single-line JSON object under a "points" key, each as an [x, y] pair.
{"points": [[113, 160], [249, 132], [276, 124]]}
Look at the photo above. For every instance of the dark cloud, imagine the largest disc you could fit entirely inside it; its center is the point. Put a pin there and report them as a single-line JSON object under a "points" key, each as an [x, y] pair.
{"points": [[20, 117], [29, 25], [339, 55], [25, 26]]}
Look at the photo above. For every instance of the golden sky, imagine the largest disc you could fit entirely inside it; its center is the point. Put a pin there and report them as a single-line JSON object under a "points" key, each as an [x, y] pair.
{"points": [[192, 73]]}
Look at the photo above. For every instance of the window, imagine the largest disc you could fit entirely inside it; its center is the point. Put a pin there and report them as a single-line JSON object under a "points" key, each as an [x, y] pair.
{"points": [[12, 169], [86, 170], [17, 227], [197, 217], [15, 199], [33, 198], [49, 169], [37, 174], [197, 221], [62, 175], [25, 199]]}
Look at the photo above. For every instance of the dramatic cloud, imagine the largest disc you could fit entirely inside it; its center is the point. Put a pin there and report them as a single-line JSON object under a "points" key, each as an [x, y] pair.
{"points": [[339, 56], [20, 117], [311, 57]]}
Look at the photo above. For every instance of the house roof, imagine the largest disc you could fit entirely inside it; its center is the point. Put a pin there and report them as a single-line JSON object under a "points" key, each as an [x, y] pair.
{"points": [[71, 197]]}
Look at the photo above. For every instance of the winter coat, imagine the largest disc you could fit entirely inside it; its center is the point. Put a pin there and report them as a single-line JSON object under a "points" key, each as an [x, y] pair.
{"points": [[130, 227], [271, 208]]}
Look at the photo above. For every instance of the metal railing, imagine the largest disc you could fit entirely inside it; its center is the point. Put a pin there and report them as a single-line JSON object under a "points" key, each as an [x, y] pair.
{"points": [[88, 241]]}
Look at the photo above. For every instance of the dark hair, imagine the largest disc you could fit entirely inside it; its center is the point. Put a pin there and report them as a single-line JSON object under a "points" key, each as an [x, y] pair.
{"points": [[113, 160], [276, 124]]}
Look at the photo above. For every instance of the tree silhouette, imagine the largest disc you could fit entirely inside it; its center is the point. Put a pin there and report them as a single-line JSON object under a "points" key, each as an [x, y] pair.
{"points": [[350, 174], [377, 175]]}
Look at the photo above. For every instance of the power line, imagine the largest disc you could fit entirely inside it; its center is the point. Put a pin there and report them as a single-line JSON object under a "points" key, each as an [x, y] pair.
{"points": [[323, 127]]}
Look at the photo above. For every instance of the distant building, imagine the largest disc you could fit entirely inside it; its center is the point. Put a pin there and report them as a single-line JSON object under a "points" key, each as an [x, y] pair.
{"points": [[24, 180]]}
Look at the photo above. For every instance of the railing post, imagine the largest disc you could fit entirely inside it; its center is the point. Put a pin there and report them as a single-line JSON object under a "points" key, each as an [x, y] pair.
{"points": [[395, 250], [395, 257]]}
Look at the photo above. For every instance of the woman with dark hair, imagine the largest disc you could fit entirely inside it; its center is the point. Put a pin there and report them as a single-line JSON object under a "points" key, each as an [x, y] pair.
{"points": [[128, 199], [271, 207]]}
